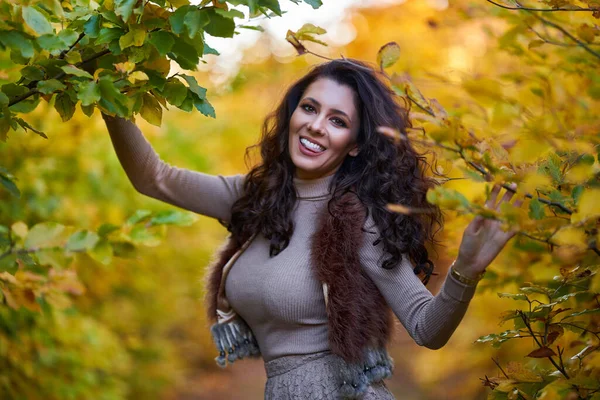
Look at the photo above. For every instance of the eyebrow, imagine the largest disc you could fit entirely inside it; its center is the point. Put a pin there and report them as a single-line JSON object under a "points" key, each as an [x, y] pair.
{"points": [[335, 110]]}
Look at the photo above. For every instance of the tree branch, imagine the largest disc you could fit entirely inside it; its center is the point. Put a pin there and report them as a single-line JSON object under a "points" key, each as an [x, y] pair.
{"points": [[569, 35], [540, 9], [65, 52], [58, 76]]}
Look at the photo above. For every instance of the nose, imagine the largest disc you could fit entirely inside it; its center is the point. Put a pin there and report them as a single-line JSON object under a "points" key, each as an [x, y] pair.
{"points": [[317, 125]]}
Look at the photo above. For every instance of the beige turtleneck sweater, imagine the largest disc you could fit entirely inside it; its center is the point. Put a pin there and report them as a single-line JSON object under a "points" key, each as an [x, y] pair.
{"points": [[279, 297]]}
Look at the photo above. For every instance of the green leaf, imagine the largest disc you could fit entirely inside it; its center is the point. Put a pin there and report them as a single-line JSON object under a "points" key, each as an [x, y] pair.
{"points": [[68, 36], [584, 312], [140, 235], [82, 240], [163, 41], [185, 55], [173, 217], [151, 110], [272, 5], [3, 100], [26, 126], [135, 37], [37, 21], [88, 93], [175, 92], [45, 234], [65, 106], [536, 209], [17, 41], [111, 98], [10, 185], [177, 19], [50, 86], [52, 43], [388, 55], [73, 70], [314, 3], [32, 73], [195, 20], [107, 35], [193, 85], [209, 50], [233, 13], [102, 252], [124, 8], [106, 229], [204, 107], [514, 296], [92, 26], [138, 216], [87, 110], [219, 25]]}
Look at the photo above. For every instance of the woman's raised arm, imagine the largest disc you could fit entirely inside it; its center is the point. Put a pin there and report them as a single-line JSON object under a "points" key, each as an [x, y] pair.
{"points": [[430, 320], [204, 194]]}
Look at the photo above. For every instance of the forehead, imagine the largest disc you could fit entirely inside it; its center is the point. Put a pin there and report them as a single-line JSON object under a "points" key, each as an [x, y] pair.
{"points": [[331, 94]]}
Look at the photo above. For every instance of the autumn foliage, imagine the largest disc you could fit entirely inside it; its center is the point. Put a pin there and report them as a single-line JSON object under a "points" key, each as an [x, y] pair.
{"points": [[82, 317]]}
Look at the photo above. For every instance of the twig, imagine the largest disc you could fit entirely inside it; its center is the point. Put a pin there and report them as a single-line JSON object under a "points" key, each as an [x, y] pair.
{"points": [[569, 35], [64, 52], [498, 365], [58, 76], [540, 9], [526, 322]]}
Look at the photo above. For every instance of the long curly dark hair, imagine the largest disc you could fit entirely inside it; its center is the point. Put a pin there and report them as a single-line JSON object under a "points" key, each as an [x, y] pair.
{"points": [[383, 172]]}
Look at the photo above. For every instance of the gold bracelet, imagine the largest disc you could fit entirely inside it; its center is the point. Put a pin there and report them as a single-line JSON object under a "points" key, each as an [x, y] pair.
{"points": [[464, 279]]}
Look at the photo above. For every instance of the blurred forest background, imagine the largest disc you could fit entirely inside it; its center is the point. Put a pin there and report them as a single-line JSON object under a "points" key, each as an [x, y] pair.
{"points": [[135, 327]]}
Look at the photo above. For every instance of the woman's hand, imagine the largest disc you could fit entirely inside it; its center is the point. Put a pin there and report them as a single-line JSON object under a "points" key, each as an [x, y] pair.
{"points": [[484, 238]]}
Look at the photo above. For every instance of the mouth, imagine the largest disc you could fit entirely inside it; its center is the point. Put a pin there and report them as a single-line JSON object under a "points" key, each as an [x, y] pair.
{"points": [[311, 146]]}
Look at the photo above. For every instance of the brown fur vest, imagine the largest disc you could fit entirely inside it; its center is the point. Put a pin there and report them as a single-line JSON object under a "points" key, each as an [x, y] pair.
{"points": [[358, 316]]}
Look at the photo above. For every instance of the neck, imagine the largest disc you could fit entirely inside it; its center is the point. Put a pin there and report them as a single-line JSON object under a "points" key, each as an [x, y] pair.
{"points": [[313, 188]]}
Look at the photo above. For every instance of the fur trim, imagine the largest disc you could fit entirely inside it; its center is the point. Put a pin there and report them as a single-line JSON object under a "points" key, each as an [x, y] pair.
{"points": [[214, 275], [358, 315]]}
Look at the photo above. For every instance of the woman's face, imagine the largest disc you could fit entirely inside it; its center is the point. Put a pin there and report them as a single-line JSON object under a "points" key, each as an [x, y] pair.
{"points": [[323, 129]]}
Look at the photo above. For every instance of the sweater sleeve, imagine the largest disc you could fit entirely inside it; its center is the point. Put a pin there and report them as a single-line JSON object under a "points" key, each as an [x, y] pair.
{"points": [[204, 194], [430, 320]]}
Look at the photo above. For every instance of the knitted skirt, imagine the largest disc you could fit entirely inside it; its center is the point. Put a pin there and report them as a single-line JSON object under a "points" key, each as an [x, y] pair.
{"points": [[314, 377]]}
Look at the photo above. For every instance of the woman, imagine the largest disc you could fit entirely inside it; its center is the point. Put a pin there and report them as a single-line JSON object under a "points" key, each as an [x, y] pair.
{"points": [[315, 261]]}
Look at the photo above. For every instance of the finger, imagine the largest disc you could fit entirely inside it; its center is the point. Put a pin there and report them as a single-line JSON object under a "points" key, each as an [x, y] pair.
{"points": [[506, 198], [517, 203], [475, 225], [493, 195]]}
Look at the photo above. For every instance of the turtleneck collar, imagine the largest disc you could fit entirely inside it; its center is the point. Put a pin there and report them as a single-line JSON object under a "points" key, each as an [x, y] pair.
{"points": [[313, 189]]}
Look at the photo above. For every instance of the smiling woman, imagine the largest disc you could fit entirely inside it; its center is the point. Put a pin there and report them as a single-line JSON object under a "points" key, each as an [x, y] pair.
{"points": [[323, 129], [316, 263]]}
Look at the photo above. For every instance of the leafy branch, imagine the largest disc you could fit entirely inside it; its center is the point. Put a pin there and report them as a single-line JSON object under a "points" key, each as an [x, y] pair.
{"points": [[58, 76]]}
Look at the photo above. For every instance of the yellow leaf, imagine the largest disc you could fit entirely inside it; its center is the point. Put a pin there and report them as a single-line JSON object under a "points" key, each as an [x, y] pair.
{"points": [[528, 151], [588, 206], [518, 372], [388, 55], [484, 90], [571, 236], [135, 37], [20, 229], [151, 110], [533, 181], [137, 76], [397, 208], [580, 173], [125, 67], [586, 33]]}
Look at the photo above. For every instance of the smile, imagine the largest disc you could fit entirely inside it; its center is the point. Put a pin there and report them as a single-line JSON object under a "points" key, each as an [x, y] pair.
{"points": [[314, 147]]}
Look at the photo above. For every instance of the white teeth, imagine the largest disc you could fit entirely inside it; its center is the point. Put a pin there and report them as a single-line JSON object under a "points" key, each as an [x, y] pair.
{"points": [[311, 145]]}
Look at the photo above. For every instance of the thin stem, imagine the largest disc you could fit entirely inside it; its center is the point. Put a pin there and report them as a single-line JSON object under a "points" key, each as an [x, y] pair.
{"points": [[526, 322], [58, 76], [498, 365], [540, 9], [568, 34], [64, 52]]}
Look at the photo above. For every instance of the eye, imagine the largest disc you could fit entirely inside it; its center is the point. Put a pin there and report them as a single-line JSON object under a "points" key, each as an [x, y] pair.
{"points": [[307, 107], [339, 122]]}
